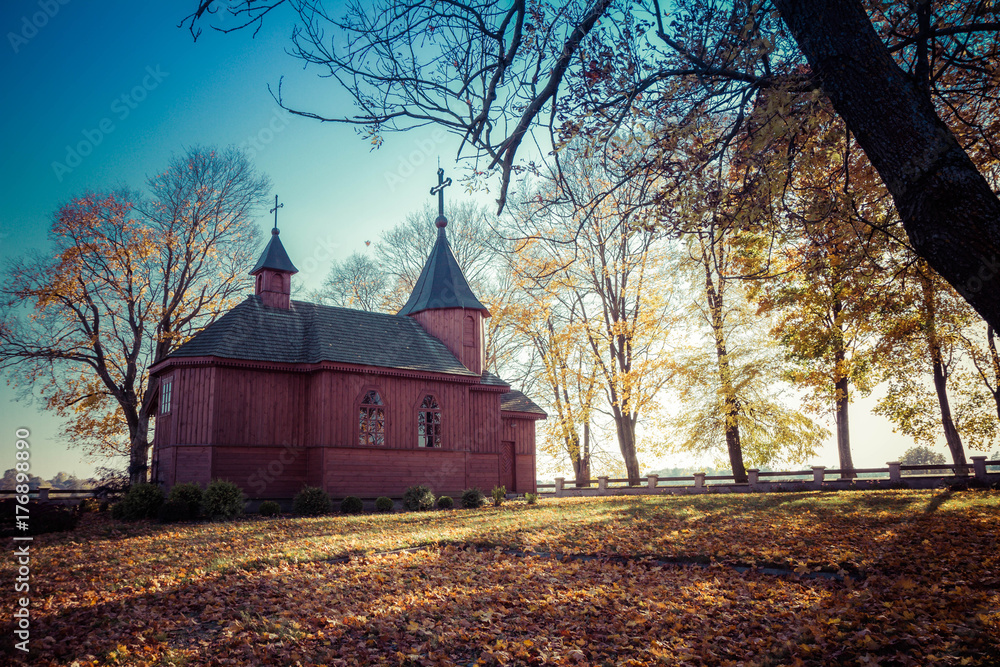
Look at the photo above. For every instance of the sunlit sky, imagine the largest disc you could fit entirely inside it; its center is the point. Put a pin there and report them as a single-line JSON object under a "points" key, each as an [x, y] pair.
{"points": [[101, 94]]}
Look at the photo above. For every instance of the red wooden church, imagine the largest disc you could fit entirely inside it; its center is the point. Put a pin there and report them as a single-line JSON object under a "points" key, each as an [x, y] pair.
{"points": [[278, 394]]}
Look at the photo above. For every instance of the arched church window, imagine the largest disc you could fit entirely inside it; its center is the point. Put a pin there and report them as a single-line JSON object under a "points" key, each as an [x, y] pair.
{"points": [[276, 285], [371, 420], [429, 423], [470, 331]]}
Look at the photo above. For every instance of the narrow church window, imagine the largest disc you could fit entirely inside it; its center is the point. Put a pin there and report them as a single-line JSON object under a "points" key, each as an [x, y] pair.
{"points": [[165, 392], [371, 418], [429, 423], [276, 283], [470, 331]]}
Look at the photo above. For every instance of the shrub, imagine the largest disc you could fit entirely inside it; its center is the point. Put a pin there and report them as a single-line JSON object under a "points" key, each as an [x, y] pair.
{"points": [[88, 505], [351, 505], [190, 494], [269, 508], [418, 498], [531, 498], [223, 500], [141, 502], [173, 511], [473, 498], [498, 494], [312, 501], [384, 505], [445, 502]]}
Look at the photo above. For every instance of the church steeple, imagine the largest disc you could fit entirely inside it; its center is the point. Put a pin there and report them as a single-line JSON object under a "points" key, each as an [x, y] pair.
{"points": [[274, 269], [442, 300]]}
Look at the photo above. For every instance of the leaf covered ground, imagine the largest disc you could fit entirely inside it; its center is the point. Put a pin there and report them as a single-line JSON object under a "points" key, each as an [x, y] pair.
{"points": [[881, 577]]}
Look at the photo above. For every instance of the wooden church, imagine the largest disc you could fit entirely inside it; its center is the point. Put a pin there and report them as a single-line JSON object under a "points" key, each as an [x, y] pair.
{"points": [[278, 394]]}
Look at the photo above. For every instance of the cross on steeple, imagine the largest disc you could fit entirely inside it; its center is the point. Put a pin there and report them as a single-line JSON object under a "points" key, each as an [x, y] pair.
{"points": [[275, 211], [438, 190]]}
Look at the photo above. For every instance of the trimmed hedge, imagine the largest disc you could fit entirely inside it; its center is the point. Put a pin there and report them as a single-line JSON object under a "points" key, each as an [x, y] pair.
{"points": [[312, 501], [351, 505], [223, 500]]}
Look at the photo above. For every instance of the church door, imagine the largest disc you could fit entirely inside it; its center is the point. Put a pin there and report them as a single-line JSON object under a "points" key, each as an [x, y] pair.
{"points": [[507, 465]]}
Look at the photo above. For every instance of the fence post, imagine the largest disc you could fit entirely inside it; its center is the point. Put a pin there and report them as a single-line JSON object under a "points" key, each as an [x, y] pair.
{"points": [[819, 472], [753, 477], [651, 480], [559, 485], [979, 463], [43, 494], [699, 480], [894, 473], [602, 483]]}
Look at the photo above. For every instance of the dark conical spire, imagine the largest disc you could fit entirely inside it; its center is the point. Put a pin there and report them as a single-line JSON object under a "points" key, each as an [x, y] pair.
{"points": [[441, 283], [274, 257]]}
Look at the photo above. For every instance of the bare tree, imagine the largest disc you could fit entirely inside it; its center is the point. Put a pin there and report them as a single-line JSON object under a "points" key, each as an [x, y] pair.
{"points": [[895, 72], [357, 282], [126, 280]]}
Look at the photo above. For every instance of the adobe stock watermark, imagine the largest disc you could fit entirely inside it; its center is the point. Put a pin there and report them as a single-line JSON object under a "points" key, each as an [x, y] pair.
{"points": [[22, 552], [122, 107], [257, 142], [423, 150], [31, 24]]}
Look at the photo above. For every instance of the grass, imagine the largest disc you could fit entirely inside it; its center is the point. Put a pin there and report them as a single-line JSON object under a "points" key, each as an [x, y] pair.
{"points": [[919, 574]]}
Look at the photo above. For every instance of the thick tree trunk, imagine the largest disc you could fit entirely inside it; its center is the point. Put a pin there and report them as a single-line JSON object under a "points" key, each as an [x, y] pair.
{"points": [[947, 207], [139, 451], [995, 361], [625, 427], [843, 430], [581, 462]]}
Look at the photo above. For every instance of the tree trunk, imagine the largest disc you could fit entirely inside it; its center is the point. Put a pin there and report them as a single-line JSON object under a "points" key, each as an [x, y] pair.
{"points": [[731, 404], [841, 387], [941, 378], [625, 427], [948, 209], [843, 430], [581, 463], [139, 450]]}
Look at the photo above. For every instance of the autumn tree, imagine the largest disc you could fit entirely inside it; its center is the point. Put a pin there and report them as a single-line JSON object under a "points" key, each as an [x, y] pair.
{"points": [[125, 280], [920, 354], [730, 389], [818, 262], [491, 73], [603, 265]]}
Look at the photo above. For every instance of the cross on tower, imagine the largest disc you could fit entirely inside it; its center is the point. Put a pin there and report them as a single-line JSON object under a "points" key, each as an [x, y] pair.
{"points": [[275, 211], [438, 190]]}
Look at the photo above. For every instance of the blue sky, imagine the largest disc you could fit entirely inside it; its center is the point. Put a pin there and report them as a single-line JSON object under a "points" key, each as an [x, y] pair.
{"points": [[101, 94]]}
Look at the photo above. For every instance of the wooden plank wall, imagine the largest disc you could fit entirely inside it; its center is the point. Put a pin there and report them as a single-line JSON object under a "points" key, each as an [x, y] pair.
{"points": [[260, 407], [193, 464], [368, 473], [483, 471], [263, 472]]}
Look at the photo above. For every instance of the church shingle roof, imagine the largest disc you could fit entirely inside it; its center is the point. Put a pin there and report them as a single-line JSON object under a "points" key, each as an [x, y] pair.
{"points": [[274, 257], [309, 333], [515, 401], [441, 283]]}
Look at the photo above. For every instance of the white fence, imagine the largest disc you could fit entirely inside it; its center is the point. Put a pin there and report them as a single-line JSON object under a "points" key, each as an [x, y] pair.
{"points": [[818, 478]]}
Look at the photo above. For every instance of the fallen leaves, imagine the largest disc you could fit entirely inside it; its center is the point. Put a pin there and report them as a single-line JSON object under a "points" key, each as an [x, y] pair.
{"points": [[920, 588]]}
